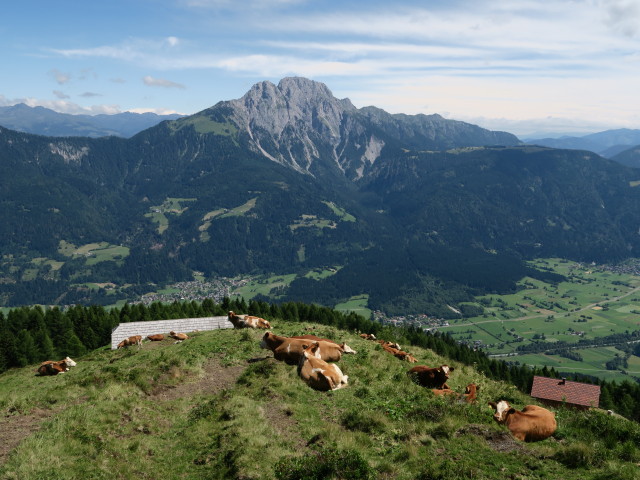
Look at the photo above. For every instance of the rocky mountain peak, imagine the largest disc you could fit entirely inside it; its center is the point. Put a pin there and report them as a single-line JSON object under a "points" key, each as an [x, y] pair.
{"points": [[295, 101], [300, 124]]}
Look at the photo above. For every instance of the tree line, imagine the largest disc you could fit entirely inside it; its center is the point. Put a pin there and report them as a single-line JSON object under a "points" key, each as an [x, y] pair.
{"points": [[29, 335]]}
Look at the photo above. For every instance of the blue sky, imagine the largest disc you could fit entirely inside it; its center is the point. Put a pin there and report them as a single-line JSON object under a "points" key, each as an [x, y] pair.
{"points": [[524, 66]]}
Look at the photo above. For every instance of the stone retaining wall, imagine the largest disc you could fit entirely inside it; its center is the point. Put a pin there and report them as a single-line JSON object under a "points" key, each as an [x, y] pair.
{"points": [[182, 325]]}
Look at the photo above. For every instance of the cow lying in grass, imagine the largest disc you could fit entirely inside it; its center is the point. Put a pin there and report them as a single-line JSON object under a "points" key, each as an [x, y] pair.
{"points": [[399, 354], [248, 321], [531, 424], [178, 337], [319, 374], [156, 337], [430, 377], [345, 348], [51, 367], [289, 349], [469, 395]]}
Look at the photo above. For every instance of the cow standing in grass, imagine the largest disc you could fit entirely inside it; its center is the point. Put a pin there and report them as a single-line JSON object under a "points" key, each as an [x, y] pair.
{"points": [[133, 340]]}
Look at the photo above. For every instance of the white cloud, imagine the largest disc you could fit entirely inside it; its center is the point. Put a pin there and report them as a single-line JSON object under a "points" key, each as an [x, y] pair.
{"points": [[160, 82], [60, 95], [172, 41], [157, 111], [90, 95], [623, 16], [234, 4], [59, 76]]}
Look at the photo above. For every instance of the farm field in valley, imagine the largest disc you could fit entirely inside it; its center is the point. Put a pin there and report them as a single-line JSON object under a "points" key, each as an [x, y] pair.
{"points": [[593, 302]]}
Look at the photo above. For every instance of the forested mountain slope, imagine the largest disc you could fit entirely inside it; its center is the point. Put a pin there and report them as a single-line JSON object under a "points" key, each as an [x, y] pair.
{"points": [[418, 210]]}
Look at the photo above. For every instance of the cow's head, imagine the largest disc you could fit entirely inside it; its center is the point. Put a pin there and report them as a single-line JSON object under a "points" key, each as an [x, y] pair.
{"points": [[265, 338], [347, 349], [69, 362], [312, 350], [502, 410], [472, 388], [231, 314], [410, 359], [445, 369], [123, 343]]}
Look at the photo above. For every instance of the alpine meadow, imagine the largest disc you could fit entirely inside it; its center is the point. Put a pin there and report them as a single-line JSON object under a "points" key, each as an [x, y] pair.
{"points": [[461, 247]]}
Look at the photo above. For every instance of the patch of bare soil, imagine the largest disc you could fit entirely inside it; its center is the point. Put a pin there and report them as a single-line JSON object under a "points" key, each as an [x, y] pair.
{"points": [[15, 428], [282, 421], [215, 379], [500, 441]]}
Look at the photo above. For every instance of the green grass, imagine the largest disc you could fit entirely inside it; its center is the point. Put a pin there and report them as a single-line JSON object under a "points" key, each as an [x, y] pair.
{"points": [[209, 217], [203, 125], [592, 301], [170, 206], [322, 273], [356, 304], [240, 210], [340, 212], [312, 221], [108, 420], [262, 285], [93, 252]]}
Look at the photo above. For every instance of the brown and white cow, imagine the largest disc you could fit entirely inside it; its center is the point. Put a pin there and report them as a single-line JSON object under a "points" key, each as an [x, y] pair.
{"points": [[248, 321], [531, 424], [385, 343], [178, 337], [431, 377], [470, 394], [156, 337], [443, 392], [345, 348], [368, 336], [319, 374], [51, 367], [404, 356], [133, 340], [285, 349]]}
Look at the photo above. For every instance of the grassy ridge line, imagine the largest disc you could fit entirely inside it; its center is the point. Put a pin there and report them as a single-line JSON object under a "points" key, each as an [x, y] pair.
{"points": [[159, 413]]}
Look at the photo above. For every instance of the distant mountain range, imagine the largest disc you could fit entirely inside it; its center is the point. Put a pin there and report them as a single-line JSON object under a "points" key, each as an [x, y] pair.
{"points": [[419, 212], [43, 121], [608, 143]]}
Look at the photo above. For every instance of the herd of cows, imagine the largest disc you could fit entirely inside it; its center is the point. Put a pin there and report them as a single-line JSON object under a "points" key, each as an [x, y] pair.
{"points": [[315, 358]]}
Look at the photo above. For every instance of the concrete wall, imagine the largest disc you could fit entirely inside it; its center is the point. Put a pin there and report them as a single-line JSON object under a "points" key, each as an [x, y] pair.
{"points": [[182, 325]]}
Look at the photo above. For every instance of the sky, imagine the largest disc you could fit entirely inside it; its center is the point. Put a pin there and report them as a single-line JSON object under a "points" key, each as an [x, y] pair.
{"points": [[529, 67]]}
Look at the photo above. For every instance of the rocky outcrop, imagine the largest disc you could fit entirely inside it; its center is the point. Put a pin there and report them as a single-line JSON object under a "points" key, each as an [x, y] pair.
{"points": [[300, 124]]}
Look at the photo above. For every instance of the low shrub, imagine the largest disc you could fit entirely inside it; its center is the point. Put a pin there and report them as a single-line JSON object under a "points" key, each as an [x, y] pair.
{"points": [[581, 455], [327, 463]]}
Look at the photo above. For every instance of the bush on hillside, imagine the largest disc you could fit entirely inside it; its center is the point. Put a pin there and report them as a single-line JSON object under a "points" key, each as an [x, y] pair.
{"points": [[329, 462]]}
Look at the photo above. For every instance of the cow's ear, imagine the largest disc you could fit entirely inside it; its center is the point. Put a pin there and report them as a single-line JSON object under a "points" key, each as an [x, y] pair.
{"points": [[493, 405], [451, 369], [511, 411]]}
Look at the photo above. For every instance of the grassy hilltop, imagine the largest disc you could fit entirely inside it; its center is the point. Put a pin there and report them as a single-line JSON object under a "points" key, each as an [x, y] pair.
{"points": [[218, 406]]}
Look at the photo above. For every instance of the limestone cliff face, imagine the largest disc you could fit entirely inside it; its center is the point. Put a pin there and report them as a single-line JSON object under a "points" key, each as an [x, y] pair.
{"points": [[300, 124]]}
